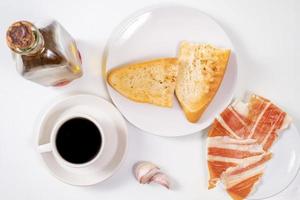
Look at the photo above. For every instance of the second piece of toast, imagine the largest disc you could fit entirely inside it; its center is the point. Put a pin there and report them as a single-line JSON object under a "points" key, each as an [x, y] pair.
{"points": [[201, 70]]}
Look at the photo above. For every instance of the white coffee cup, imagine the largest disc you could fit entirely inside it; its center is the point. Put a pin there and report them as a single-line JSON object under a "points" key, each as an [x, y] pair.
{"points": [[52, 148]]}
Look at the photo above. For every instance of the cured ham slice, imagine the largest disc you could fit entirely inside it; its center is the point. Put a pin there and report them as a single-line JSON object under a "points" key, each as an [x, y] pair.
{"points": [[240, 180], [224, 152], [264, 120], [234, 123], [239, 141]]}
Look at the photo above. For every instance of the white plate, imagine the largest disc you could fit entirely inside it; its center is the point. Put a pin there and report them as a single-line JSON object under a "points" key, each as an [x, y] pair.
{"points": [[156, 32], [282, 169], [98, 108]]}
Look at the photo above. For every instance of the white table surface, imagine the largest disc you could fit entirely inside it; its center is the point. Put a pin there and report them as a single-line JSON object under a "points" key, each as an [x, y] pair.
{"points": [[264, 33]]}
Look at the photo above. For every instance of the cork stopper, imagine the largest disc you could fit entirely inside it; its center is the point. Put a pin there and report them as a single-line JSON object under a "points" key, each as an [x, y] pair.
{"points": [[21, 36]]}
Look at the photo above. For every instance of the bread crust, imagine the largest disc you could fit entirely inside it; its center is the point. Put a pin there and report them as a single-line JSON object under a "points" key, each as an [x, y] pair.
{"points": [[207, 65]]}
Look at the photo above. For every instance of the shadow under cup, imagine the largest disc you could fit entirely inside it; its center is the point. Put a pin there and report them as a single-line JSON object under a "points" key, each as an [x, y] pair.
{"points": [[78, 140]]}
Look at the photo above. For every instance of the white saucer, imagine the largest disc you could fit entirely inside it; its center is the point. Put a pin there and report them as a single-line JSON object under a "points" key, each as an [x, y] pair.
{"points": [[98, 108], [156, 32]]}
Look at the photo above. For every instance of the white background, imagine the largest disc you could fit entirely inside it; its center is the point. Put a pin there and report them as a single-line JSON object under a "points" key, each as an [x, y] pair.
{"points": [[265, 34]]}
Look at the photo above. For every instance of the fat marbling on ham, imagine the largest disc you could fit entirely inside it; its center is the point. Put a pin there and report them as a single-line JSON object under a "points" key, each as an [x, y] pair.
{"points": [[239, 141]]}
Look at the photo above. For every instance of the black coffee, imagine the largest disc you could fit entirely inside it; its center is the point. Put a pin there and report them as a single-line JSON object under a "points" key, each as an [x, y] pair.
{"points": [[78, 140]]}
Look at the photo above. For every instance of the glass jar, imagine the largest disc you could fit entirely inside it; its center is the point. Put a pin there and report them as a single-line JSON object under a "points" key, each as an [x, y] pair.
{"points": [[47, 55]]}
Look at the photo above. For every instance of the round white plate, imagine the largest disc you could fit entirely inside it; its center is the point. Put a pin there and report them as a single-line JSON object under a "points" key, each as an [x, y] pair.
{"points": [[99, 109], [156, 32], [284, 166]]}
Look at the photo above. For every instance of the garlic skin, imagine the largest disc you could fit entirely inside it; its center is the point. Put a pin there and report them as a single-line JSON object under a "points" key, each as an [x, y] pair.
{"points": [[147, 172], [161, 179]]}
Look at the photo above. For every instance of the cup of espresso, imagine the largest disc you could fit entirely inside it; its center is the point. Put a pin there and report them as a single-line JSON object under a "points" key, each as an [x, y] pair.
{"points": [[76, 141]]}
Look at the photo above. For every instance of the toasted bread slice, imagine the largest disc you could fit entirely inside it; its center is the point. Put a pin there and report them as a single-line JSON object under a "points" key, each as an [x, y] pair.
{"points": [[148, 82], [201, 70]]}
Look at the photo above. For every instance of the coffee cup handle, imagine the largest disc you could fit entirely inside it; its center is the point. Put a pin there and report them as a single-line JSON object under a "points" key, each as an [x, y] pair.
{"points": [[44, 148]]}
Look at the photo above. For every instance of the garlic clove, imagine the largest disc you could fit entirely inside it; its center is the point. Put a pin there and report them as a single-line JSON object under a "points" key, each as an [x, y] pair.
{"points": [[147, 172], [146, 178], [161, 179], [144, 170]]}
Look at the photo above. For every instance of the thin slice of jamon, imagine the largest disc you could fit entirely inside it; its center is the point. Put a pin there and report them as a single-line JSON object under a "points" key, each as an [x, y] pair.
{"points": [[224, 152], [240, 180], [230, 123], [265, 120]]}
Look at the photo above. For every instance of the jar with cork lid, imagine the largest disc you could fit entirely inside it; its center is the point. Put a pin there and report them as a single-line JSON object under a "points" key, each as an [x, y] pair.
{"points": [[47, 54]]}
